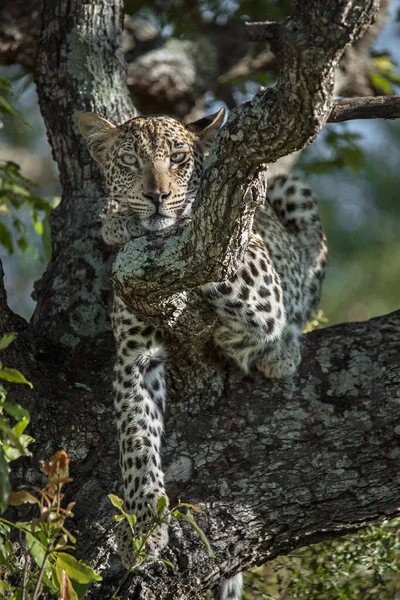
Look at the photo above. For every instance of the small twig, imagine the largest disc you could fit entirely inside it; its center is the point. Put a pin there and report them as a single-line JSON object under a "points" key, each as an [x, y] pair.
{"points": [[379, 107], [38, 586], [25, 574], [121, 583], [266, 31]]}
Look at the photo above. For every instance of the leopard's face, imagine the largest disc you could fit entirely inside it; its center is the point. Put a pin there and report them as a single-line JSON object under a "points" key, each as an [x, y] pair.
{"points": [[154, 168], [152, 165]]}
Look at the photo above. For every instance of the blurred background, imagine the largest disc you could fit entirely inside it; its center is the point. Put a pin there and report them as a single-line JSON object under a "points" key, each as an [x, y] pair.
{"points": [[187, 59]]}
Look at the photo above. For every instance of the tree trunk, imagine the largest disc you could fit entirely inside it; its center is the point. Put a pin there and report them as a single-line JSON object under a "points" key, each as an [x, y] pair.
{"points": [[276, 465]]}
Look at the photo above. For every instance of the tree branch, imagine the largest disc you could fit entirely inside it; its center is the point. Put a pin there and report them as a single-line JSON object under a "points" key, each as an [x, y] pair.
{"points": [[276, 122], [172, 76], [379, 107], [240, 447], [353, 77], [277, 464], [82, 56]]}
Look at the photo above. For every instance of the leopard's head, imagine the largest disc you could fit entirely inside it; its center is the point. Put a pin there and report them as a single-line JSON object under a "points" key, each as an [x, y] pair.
{"points": [[152, 164]]}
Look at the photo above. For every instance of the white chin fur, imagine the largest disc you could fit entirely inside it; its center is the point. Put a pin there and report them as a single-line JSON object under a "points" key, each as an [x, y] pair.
{"points": [[157, 222]]}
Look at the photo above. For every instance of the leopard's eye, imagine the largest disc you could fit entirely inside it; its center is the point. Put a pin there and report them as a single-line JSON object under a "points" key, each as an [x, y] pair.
{"points": [[129, 159], [178, 157]]}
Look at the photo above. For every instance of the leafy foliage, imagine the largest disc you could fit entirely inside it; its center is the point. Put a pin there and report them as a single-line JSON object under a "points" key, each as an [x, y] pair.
{"points": [[342, 150], [17, 193], [13, 441], [183, 512], [45, 565], [185, 17], [385, 78], [363, 566]]}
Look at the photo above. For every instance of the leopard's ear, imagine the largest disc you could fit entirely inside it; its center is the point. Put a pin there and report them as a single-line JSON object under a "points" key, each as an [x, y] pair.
{"points": [[207, 127], [99, 133]]}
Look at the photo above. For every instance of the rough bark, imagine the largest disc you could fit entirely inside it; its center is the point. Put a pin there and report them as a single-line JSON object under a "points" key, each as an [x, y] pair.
{"points": [[357, 62], [80, 68], [172, 76], [276, 122], [276, 464], [381, 107]]}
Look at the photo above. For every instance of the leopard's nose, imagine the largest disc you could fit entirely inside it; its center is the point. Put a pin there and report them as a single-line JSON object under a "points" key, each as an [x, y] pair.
{"points": [[157, 197]]}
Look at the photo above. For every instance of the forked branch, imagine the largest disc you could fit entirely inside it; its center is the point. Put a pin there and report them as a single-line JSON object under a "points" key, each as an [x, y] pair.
{"points": [[276, 122]]}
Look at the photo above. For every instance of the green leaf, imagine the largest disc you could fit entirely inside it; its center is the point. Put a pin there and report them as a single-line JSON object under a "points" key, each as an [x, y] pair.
{"points": [[189, 518], [163, 560], [38, 551], [4, 559], [5, 238], [196, 509], [7, 339], [20, 427], [119, 518], [116, 501], [6, 107], [16, 411], [66, 588], [80, 589], [5, 487], [161, 504], [17, 442], [131, 519], [14, 376], [381, 82], [79, 571], [5, 84], [22, 244]]}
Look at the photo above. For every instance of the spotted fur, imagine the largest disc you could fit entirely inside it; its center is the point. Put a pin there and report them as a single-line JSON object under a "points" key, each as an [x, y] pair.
{"points": [[152, 168]]}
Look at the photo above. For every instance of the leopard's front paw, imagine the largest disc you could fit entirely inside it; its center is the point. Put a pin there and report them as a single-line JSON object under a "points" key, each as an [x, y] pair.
{"points": [[129, 552]]}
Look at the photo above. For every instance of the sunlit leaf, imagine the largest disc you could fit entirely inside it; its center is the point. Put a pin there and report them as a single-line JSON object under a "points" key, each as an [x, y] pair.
{"points": [[79, 571], [381, 82], [38, 551], [163, 560], [161, 504], [115, 501], [7, 339], [13, 376], [189, 518]]}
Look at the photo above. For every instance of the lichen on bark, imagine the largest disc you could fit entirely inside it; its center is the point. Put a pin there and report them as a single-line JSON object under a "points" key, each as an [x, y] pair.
{"points": [[276, 464]]}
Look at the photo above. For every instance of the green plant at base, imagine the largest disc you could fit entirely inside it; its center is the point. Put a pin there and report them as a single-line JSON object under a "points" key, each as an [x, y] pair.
{"points": [[43, 563], [181, 512], [45, 566], [13, 441]]}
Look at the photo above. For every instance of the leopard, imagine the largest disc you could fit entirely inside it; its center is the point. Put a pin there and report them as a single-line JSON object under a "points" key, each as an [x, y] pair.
{"points": [[153, 165]]}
